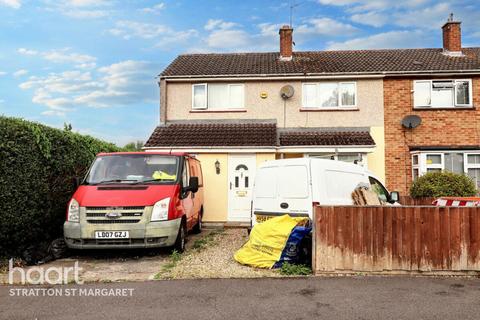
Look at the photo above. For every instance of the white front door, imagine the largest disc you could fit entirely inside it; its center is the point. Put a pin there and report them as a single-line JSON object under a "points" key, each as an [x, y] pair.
{"points": [[241, 174]]}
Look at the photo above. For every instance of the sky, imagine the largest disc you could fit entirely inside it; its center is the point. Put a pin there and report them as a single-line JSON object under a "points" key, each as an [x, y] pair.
{"points": [[94, 63]]}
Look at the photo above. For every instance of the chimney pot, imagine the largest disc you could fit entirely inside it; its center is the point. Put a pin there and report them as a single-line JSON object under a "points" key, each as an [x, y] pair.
{"points": [[452, 37], [286, 51]]}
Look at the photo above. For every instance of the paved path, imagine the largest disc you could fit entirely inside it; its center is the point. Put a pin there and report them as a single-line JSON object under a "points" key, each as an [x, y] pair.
{"points": [[305, 298]]}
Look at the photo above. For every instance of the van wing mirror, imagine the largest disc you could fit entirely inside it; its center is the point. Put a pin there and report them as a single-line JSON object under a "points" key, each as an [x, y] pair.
{"points": [[193, 184], [394, 197]]}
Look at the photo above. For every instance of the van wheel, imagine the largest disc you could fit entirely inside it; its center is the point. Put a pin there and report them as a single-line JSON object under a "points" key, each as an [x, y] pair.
{"points": [[198, 227], [179, 245]]}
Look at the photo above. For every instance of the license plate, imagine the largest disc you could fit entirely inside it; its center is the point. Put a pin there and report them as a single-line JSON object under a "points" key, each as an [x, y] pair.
{"points": [[263, 218], [112, 234]]}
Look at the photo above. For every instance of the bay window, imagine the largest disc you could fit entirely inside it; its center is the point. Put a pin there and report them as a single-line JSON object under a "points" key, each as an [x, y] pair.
{"points": [[458, 161], [217, 96], [442, 93], [329, 95]]}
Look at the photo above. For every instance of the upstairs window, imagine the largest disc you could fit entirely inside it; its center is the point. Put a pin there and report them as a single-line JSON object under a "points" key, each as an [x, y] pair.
{"points": [[217, 96], [442, 93], [329, 95]]}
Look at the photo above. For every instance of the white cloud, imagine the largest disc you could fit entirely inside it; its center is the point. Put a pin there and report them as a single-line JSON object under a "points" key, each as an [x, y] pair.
{"points": [[124, 83], [3, 73], [64, 56], [371, 18], [385, 40], [213, 24], [2, 101], [80, 9], [27, 52], [366, 5], [228, 39], [15, 4], [163, 35], [154, 9], [432, 17], [20, 73], [326, 27]]}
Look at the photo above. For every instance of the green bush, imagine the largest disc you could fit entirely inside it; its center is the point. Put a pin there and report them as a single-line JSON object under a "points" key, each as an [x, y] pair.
{"points": [[443, 184], [37, 167]]}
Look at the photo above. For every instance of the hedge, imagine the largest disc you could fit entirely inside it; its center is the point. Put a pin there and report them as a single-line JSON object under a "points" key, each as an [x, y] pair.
{"points": [[37, 167], [443, 184]]}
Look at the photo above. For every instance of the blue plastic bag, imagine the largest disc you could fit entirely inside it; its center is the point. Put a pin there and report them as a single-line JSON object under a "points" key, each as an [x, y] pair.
{"points": [[291, 252]]}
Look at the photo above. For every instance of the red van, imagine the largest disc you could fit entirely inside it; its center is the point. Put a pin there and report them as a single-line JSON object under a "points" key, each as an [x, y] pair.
{"points": [[136, 200]]}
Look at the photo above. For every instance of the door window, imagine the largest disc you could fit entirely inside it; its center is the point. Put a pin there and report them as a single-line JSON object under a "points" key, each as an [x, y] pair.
{"points": [[185, 174], [379, 189], [241, 176]]}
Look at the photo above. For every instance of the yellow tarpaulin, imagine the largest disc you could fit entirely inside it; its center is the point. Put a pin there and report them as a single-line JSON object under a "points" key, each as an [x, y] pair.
{"points": [[267, 241]]}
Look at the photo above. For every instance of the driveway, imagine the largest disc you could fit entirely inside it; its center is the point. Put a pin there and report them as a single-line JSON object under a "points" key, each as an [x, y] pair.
{"points": [[265, 298], [115, 265]]}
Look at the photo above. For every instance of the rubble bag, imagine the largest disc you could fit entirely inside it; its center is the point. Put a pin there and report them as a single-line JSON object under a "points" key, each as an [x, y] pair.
{"points": [[292, 251], [267, 241]]}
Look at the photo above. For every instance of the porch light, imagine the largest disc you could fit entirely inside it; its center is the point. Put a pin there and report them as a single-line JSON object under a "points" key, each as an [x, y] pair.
{"points": [[217, 167]]}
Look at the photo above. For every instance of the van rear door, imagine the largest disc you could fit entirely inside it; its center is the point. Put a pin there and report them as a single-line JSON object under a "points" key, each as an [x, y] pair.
{"points": [[294, 192], [282, 189]]}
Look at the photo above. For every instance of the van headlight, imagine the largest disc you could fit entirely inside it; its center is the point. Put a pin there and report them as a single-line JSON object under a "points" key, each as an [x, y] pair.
{"points": [[73, 211], [160, 210]]}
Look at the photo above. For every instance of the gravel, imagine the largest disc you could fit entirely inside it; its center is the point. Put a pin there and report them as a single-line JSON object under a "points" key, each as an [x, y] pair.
{"points": [[215, 259]]}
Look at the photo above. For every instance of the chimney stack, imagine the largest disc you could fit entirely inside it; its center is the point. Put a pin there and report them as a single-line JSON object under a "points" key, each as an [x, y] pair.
{"points": [[452, 37], [286, 43]]}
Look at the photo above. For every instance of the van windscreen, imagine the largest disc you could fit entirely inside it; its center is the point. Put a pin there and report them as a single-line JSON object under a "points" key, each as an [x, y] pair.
{"points": [[134, 168]]}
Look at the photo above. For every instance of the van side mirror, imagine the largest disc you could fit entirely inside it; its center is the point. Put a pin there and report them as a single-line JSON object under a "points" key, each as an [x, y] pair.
{"points": [[192, 185], [394, 197], [77, 181]]}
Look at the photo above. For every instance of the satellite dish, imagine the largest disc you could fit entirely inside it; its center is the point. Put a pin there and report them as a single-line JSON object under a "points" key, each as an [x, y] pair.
{"points": [[411, 121], [287, 92]]}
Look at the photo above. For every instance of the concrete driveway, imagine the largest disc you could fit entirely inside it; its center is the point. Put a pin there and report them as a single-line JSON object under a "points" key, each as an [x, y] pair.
{"points": [[266, 298]]}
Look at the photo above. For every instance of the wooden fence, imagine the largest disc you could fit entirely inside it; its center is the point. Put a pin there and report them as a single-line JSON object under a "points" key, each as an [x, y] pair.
{"points": [[409, 201], [393, 239]]}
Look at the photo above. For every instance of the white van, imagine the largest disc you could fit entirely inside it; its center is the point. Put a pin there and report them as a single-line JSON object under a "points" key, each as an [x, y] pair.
{"points": [[293, 186]]}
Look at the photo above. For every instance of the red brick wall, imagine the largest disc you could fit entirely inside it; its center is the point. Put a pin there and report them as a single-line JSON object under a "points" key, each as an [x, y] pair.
{"points": [[442, 128]]}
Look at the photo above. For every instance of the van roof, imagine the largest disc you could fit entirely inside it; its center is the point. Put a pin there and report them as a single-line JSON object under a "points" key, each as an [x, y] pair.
{"points": [[325, 163], [143, 152]]}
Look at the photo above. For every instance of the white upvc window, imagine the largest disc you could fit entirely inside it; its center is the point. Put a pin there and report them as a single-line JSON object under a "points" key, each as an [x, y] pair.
{"points": [[218, 96], [442, 93], [325, 95], [457, 161]]}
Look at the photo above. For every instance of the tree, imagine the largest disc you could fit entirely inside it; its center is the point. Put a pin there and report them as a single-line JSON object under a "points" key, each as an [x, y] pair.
{"points": [[134, 146], [67, 126]]}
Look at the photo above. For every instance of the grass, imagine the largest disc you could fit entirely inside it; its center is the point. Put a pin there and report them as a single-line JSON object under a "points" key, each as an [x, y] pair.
{"points": [[288, 269], [175, 257]]}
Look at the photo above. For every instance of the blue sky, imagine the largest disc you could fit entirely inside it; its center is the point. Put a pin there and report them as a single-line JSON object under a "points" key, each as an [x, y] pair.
{"points": [[93, 63]]}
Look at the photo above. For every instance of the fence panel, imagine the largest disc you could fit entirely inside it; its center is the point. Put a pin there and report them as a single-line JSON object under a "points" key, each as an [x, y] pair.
{"points": [[396, 238]]}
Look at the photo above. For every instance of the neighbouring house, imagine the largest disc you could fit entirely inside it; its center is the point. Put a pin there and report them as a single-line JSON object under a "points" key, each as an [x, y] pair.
{"points": [[442, 87], [234, 111]]}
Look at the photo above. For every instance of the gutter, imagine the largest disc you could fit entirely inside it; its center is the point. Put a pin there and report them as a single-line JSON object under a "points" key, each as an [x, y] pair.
{"points": [[302, 76]]}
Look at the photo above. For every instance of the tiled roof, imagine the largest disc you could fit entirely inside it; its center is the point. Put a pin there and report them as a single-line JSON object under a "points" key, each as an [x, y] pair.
{"points": [[251, 134], [214, 134], [318, 137], [323, 62]]}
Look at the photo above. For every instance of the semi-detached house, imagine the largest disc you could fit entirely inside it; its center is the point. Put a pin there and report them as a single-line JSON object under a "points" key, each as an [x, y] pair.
{"points": [[234, 111]]}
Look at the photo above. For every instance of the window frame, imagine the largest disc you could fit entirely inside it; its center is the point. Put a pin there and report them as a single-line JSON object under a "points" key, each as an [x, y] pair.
{"points": [[454, 102], [422, 166], [206, 106], [339, 106]]}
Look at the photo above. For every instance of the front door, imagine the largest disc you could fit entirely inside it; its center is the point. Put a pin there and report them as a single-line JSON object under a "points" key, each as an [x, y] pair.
{"points": [[241, 174]]}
